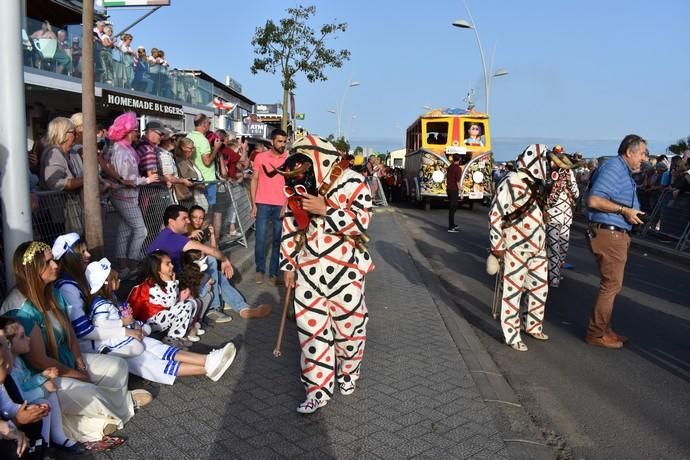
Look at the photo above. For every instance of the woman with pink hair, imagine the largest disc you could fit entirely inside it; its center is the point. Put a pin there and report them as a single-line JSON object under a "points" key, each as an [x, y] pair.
{"points": [[131, 230]]}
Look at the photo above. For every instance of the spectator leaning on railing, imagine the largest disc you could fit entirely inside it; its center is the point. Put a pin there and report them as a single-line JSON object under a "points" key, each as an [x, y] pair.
{"points": [[56, 173], [184, 154], [205, 160], [131, 231], [127, 55]]}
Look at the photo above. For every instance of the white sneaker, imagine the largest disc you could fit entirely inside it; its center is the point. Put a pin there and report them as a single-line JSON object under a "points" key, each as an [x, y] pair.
{"points": [[219, 360], [311, 405], [347, 388], [193, 337], [218, 317], [198, 330]]}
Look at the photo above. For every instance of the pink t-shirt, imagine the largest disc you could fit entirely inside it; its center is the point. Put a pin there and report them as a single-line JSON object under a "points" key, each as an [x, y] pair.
{"points": [[269, 190]]}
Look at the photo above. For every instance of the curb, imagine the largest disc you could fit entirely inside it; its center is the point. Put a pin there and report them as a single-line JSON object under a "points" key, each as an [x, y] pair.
{"points": [[523, 439], [648, 247]]}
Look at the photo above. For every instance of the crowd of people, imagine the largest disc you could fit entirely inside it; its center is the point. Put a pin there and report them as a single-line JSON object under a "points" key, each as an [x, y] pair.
{"points": [[187, 165], [117, 62]]}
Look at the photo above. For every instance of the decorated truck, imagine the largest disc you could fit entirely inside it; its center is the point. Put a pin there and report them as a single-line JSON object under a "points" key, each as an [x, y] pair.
{"points": [[431, 141]]}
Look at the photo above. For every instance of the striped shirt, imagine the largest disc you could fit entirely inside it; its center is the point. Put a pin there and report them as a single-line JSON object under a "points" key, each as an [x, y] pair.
{"points": [[614, 182]]}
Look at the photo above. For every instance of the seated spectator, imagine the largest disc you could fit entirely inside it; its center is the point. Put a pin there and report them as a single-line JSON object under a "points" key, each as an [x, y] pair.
{"points": [[146, 357], [184, 154], [17, 420], [46, 31], [57, 174], [131, 230], [92, 388], [62, 54], [141, 81], [173, 241], [159, 303], [38, 388]]}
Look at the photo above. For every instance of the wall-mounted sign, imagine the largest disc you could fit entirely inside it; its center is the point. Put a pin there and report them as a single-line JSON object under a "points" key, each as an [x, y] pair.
{"points": [[267, 109], [234, 84], [140, 104]]}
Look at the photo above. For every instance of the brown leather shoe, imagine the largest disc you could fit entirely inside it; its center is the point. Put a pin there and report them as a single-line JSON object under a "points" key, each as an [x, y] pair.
{"points": [[259, 278], [621, 338], [256, 312], [606, 341]]}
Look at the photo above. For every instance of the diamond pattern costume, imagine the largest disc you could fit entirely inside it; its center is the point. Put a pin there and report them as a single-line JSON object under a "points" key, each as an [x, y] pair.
{"points": [[517, 227], [560, 205], [330, 264]]}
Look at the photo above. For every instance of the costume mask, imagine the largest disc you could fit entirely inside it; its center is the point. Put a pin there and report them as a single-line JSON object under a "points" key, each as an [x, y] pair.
{"points": [[534, 161]]}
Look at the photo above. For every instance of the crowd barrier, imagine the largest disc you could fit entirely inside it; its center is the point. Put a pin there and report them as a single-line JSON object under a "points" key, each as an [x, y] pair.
{"points": [[57, 213], [377, 191], [670, 218]]}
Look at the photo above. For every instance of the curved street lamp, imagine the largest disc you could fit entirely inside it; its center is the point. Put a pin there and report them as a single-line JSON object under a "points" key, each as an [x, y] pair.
{"points": [[463, 24], [338, 111]]}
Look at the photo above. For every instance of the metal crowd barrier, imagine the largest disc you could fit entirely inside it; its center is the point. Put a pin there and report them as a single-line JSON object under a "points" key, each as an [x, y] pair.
{"points": [[670, 218], [379, 194]]}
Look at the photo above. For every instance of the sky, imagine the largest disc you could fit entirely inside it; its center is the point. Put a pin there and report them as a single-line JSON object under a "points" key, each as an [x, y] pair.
{"points": [[585, 70]]}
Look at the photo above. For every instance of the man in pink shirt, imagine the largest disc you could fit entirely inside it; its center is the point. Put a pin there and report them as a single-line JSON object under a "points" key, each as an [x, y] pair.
{"points": [[268, 204]]}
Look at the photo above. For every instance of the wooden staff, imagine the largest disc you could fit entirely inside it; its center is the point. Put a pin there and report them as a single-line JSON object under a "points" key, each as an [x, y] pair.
{"points": [[279, 342], [498, 291]]}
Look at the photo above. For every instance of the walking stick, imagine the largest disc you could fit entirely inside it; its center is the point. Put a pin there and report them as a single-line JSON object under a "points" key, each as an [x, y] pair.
{"points": [[498, 291], [279, 342]]}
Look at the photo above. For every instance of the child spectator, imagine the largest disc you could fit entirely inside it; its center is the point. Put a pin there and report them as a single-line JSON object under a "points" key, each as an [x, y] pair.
{"points": [[145, 356], [158, 301], [38, 388]]}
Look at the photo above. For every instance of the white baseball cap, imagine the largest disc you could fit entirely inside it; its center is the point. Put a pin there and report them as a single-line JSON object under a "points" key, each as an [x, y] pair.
{"points": [[63, 243], [97, 273]]}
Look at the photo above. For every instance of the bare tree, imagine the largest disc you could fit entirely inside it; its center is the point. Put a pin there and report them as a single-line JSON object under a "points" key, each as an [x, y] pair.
{"points": [[292, 46]]}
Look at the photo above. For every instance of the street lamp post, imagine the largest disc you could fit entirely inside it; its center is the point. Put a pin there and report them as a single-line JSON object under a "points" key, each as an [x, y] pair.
{"points": [[463, 24], [338, 111]]}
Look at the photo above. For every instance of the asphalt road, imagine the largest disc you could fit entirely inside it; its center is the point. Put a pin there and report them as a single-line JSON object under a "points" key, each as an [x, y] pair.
{"points": [[596, 403]]}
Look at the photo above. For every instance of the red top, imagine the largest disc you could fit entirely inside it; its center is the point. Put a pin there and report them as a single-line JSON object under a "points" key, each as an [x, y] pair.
{"points": [[453, 174], [231, 158], [140, 302]]}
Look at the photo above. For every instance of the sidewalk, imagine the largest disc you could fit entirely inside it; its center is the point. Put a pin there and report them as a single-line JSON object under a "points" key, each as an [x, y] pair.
{"points": [[415, 397]]}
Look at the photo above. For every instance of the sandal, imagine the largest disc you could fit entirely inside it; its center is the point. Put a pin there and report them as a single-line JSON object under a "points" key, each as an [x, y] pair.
{"points": [[539, 336], [519, 346]]}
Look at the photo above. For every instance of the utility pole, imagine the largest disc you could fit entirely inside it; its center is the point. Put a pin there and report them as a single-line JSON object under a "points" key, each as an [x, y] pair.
{"points": [[93, 220], [14, 162]]}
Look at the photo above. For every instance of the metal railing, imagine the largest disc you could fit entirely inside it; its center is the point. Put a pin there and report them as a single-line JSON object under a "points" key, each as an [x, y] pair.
{"points": [[61, 212], [670, 218], [377, 191], [111, 66]]}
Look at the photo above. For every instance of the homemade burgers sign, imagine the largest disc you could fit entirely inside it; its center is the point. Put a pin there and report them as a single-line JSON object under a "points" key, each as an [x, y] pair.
{"points": [[128, 102]]}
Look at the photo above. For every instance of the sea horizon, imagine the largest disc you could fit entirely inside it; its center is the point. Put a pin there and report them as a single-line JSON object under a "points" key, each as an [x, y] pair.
{"points": [[508, 148]]}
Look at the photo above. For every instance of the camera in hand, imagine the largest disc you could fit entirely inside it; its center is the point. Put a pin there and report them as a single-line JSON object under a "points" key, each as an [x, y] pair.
{"points": [[643, 217]]}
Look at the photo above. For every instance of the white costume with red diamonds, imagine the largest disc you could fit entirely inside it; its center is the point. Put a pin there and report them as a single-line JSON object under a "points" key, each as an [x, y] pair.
{"points": [[560, 206], [524, 241], [330, 310]]}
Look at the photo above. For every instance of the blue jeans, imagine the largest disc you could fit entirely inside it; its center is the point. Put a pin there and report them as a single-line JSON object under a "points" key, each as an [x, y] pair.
{"points": [[223, 289], [266, 213]]}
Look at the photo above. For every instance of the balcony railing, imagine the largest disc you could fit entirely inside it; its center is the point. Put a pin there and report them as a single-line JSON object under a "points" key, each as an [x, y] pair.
{"points": [[62, 55]]}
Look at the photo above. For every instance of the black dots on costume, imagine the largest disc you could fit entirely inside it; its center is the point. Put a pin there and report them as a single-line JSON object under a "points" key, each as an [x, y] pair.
{"points": [[341, 223], [330, 269], [347, 378], [307, 295], [326, 163], [350, 348], [352, 275], [347, 297], [318, 395], [322, 280], [312, 271], [341, 213], [312, 350], [289, 267]]}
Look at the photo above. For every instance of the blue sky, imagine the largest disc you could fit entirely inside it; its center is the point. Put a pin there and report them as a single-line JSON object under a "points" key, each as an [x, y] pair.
{"points": [[587, 70]]}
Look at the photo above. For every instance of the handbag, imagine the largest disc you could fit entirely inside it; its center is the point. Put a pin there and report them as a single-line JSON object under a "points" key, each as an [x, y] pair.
{"points": [[182, 192]]}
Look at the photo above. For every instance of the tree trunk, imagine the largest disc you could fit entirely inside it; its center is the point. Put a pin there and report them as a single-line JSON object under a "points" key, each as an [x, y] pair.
{"points": [[93, 222], [284, 119]]}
